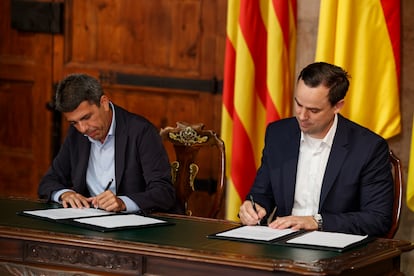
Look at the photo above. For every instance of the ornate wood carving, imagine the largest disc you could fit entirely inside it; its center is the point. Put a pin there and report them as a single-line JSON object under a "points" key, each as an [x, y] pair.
{"points": [[81, 257], [188, 135], [7, 268]]}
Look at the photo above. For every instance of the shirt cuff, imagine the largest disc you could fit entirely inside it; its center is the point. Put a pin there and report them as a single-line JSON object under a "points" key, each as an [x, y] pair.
{"points": [[56, 195], [131, 206]]}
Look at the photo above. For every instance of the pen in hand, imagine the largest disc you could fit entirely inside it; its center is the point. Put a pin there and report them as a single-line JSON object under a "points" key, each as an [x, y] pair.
{"points": [[106, 189], [254, 207], [109, 184]]}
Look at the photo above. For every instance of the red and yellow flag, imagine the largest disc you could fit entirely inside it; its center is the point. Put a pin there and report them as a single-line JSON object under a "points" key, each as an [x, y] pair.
{"points": [[363, 37], [258, 85]]}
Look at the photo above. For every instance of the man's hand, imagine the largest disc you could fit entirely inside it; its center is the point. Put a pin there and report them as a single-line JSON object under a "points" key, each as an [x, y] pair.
{"points": [[295, 222], [74, 200], [248, 216], [108, 202]]}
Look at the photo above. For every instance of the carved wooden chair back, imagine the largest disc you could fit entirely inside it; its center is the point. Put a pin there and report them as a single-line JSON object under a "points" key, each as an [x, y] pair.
{"points": [[197, 149], [398, 185]]}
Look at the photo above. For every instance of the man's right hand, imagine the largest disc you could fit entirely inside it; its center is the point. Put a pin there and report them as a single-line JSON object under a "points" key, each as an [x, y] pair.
{"points": [[74, 200], [248, 216]]}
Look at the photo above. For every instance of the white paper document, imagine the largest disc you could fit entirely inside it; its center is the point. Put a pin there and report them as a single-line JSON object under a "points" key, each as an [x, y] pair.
{"points": [[328, 239], [116, 221], [68, 213], [262, 233]]}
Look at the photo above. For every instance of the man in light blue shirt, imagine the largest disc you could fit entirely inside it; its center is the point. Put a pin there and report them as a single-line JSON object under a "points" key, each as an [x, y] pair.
{"points": [[111, 159]]}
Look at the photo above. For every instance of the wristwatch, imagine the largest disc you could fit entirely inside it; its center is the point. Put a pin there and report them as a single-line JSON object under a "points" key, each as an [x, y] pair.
{"points": [[319, 221]]}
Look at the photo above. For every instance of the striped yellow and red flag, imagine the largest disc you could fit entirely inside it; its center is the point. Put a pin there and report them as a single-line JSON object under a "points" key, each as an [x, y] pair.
{"points": [[257, 88], [363, 37]]}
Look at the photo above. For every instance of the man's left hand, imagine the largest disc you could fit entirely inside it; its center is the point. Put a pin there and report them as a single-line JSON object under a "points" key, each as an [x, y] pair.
{"points": [[295, 222]]}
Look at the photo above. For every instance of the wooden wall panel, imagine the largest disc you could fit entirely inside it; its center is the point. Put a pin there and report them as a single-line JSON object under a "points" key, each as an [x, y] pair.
{"points": [[17, 112], [25, 88], [172, 39], [160, 107], [164, 37], [17, 158]]}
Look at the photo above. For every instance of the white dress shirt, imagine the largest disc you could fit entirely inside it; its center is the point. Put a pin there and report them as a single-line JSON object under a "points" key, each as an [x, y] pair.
{"points": [[313, 157]]}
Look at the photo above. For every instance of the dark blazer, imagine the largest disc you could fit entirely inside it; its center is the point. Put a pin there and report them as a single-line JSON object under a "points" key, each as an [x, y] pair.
{"points": [[142, 170], [357, 188]]}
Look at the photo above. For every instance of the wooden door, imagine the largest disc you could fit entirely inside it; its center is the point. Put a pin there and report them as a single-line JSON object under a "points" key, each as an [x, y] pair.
{"points": [[25, 88], [162, 59]]}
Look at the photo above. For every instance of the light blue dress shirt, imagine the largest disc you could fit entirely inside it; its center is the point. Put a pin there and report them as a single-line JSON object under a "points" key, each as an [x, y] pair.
{"points": [[101, 168]]}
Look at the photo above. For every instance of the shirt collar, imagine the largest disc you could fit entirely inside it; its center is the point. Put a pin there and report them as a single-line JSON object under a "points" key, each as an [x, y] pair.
{"points": [[328, 139], [111, 131]]}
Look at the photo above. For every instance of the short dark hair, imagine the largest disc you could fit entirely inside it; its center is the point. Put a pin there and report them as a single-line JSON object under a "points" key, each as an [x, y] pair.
{"points": [[76, 88], [331, 76]]}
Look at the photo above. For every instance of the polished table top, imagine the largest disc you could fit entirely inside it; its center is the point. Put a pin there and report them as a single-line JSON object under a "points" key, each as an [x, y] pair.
{"points": [[186, 239]]}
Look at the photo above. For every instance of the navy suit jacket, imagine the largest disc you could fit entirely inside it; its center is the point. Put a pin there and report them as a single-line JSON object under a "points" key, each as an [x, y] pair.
{"points": [[357, 188], [142, 170]]}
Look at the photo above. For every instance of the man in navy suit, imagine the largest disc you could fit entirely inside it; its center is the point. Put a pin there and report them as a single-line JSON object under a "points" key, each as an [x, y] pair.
{"points": [[321, 170], [111, 159]]}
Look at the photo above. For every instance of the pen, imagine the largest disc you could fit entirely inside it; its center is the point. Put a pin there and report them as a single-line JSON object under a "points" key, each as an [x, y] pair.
{"points": [[106, 189], [254, 207], [109, 184], [271, 216]]}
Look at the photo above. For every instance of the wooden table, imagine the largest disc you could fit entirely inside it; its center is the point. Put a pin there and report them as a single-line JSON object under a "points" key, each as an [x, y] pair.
{"points": [[30, 245]]}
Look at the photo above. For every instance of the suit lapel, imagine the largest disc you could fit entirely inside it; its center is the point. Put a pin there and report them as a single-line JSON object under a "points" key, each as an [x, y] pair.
{"points": [[290, 168], [121, 138], [84, 148], [337, 156]]}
